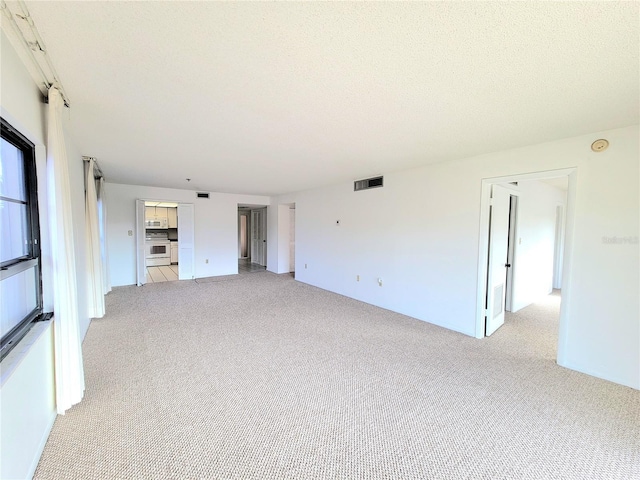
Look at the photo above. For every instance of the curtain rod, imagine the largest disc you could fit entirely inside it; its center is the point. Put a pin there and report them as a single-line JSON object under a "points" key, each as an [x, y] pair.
{"points": [[97, 171], [36, 44]]}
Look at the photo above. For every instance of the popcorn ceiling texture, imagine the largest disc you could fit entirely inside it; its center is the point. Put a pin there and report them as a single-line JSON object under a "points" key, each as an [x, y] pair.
{"points": [[276, 97], [263, 377]]}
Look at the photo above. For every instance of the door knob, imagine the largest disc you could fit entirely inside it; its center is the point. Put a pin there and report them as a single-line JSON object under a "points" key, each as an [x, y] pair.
{"points": [[508, 265]]}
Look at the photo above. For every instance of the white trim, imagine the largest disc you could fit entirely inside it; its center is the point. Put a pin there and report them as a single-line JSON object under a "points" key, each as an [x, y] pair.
{"points": [[569, 232], [598, 374]]}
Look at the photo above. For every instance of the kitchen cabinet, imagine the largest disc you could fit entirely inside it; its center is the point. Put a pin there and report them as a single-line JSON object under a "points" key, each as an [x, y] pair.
{"points": [[155, 213], [161, 212], [156, 217], [174, 252], [172, 216]]}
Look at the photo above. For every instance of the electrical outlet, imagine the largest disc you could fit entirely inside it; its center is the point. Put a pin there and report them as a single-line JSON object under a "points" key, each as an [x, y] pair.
{"points": [[305, 265], [380, 281], [357, 278], [130, 233], [206, 260]]}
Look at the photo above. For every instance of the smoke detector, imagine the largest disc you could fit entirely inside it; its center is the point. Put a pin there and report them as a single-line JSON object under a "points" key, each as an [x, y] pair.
{"points": [[600, 145]]}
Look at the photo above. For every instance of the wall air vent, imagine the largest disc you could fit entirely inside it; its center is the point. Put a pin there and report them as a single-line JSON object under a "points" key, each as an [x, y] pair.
{"points": [[202, 195], [368, 183]]}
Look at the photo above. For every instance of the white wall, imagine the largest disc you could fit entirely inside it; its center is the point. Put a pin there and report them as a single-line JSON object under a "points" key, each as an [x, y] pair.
{"points": [[535, 241], [27, 393], [420, 234], [27, 406], [216, 228]]}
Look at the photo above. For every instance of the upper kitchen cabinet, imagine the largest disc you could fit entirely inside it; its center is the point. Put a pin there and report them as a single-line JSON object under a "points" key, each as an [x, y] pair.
{"points": [[155, 217], [155, 213], [161, 212], [172, 217]]}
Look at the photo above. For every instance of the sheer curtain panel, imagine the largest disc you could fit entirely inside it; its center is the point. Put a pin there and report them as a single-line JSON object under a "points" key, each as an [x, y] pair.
{"points": [[68, 353], [94, 254], [102, 212]]}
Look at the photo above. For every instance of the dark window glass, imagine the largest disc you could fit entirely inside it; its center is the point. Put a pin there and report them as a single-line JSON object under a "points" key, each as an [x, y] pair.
{"points": [[20, 280]]}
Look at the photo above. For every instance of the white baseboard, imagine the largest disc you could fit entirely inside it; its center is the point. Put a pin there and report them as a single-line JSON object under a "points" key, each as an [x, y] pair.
{"points": [[597, 374]]}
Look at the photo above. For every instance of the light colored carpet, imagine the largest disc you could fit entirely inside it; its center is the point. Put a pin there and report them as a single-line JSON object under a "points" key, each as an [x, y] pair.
{"points": [[263, 377]]}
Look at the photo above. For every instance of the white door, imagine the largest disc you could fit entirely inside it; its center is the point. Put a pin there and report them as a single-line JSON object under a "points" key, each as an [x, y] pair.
{"points": [[186, 234], [258, 243], [497, 270], [511, 252], [263, 236], [141, 267]]}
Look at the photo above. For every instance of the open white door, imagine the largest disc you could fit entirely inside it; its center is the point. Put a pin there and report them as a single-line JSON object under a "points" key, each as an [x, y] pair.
{"points": [[259, 237], [263, 236], [497, 269], [186, 235], [141, 267]]}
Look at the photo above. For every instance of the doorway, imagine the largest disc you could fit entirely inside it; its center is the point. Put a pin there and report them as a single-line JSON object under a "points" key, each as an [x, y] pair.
{"points": [[508, 265], [252, 238], [164, 241], [292, 239]]}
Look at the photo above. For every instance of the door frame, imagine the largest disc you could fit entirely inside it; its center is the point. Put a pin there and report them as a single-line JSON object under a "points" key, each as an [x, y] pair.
{"points": [[512, 247], [558, 246], [483, 248]]}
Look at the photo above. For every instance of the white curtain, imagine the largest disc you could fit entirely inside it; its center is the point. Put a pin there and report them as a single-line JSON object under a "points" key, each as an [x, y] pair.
{"points": [[95, 277], [102, 213], [68, 353]]}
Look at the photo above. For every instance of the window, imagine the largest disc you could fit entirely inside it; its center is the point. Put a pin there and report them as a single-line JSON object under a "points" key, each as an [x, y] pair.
{"points": [[20, 278]]}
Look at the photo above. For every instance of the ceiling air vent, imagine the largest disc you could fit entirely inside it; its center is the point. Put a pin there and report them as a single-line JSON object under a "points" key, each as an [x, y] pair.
{"points": [[202, 195], [367, 183]]}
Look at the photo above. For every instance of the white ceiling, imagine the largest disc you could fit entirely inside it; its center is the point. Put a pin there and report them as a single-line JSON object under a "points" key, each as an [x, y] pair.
{"points": [[561, 183], [269, 98]]}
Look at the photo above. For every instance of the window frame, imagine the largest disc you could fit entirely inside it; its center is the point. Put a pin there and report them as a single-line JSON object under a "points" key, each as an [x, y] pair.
{"points": [[33, 257]]}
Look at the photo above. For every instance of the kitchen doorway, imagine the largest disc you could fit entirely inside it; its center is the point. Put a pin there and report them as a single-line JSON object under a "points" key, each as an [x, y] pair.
{"points": [[164, 241]]}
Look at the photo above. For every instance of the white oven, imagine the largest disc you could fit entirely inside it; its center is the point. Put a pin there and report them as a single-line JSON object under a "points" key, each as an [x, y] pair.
{"points": [[157, 249]]}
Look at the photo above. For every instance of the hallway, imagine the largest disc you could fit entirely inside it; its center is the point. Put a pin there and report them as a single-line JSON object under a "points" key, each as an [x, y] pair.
{"points": [[245, 266]]}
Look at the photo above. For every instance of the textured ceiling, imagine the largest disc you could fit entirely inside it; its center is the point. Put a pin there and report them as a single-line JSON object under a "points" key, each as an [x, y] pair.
{"points": [[268, 98]]}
